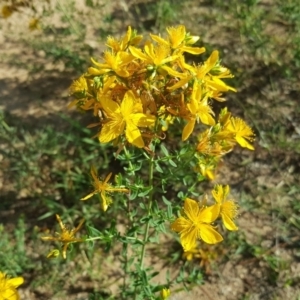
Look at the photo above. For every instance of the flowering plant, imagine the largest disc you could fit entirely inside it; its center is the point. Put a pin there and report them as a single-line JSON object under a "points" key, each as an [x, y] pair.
{"points": [[144, 94]]}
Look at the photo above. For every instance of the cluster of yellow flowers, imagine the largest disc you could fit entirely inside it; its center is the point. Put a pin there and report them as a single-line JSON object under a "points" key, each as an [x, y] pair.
{"points": [[197, 218], [68, 236], [8, 287], [138, 92], [196, 222], [14, 6]]}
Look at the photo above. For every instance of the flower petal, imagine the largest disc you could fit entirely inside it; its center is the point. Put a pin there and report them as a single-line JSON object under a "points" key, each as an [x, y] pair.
{"points": [[10, 293], [209, 214], [193, 50], [180, 83], [94, 71], [127, 104], [143, 120], [88, 196], [181, 224], [188, 238], [159, 40], [111, 107], [228, 223], [105, 201], [15, 282], [133, 135], [139, 54], [191, 209], [188, 129], [209, 235], [244, 143], [111, 130]]}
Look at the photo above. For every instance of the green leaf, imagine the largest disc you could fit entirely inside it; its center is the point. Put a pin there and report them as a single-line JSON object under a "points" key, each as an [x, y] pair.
{"points": [[155, 207], [45, 215], [167, 202], [142, 205], [172, 163], [158, 168], [164, 150], [162, 228], [89, 141], [145, 192], [144, 277], [170, 212], [133, 194], [92, 231], [145, 219], [183, 150], [154, 239]]}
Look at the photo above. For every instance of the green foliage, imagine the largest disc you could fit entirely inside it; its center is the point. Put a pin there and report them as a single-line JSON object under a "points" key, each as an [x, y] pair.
{"points": [[31, 151], [13, 258]]}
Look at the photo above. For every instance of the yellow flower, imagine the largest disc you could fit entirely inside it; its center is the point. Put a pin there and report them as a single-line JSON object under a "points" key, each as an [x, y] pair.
{"points": [[165, 293], [125, 117], [212, 72], [130, 38], [191, 254], [196, 224], [80, 90], [66, 236], [178, 39], [209, 145], [207, 168], [102, 188], [203, 73], [8, 287], [119, 63], [242, 132], [209, 73], [157, 56], [199, 109], [206, 256], [79, 87], [228, 208]]}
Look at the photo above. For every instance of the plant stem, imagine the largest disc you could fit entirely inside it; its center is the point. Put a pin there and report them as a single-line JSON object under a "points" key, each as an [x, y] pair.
{"points": [[150, 199], [130, 218], [146, 232]]}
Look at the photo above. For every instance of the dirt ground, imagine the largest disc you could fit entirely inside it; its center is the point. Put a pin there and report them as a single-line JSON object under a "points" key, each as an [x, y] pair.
{"points": [[34, 89]]}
